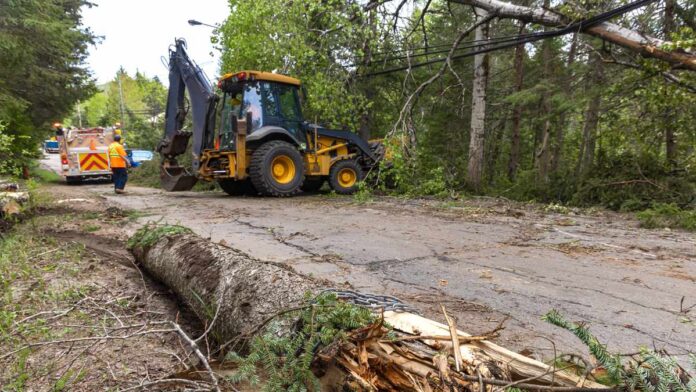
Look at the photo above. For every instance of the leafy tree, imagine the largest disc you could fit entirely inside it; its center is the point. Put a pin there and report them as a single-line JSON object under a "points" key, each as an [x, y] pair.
{"points": [[144, 101], [43, 47], [322, 43]]}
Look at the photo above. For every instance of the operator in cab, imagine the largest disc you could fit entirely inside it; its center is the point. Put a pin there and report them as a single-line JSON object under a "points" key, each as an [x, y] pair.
{"points": [[119, 164]]}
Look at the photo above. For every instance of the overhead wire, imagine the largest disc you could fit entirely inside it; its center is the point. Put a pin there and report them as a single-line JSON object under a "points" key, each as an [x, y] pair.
{"points": [[528, 38], [468, 45]]}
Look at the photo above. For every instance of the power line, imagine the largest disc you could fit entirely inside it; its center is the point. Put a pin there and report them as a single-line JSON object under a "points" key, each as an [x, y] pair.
{"points": [[417, 48], [471, 44], [573, 27]]}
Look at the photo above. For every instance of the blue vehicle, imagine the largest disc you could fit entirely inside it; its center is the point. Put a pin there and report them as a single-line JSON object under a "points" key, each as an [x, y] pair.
{"points": [[137, 157], [51, 146]]}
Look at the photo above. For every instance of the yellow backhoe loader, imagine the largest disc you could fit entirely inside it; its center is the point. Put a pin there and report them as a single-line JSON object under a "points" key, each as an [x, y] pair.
{"points": [[261, 144]]}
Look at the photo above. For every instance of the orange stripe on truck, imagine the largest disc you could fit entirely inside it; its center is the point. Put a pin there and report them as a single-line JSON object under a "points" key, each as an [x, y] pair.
{"points": [[93, 162]]}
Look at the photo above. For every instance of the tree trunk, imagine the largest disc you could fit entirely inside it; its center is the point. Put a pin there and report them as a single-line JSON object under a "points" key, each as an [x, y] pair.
{"points": [[478, 109], [632, 40], [238, 294], [543, 154], [206, 276], [670, 138], [589, 132], [496, 138], [515, 136], [366, 118], [561, 128]]}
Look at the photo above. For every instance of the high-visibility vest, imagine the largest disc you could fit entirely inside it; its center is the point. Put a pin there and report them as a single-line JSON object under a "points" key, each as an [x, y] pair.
{"points": [[115, 156]]}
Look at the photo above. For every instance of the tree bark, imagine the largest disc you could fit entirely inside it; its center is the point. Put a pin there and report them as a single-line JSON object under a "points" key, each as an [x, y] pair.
{"points": [[514, 162], [589, 132], [478, 109], [544, 152], [670, 137], [497, 130], [238, 293], [557, 158], [627, 38], [206, 276]]}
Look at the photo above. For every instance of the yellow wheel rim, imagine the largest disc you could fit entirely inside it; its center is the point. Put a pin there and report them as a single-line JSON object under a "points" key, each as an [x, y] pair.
{"points": [[283, 169], [347, 177]]}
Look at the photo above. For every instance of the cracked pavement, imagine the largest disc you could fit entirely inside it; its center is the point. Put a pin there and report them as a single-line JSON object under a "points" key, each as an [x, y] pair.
{"points": [[484, 259]]}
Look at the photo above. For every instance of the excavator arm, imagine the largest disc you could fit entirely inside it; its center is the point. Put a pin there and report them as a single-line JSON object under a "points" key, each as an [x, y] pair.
{"points": [[185, 75]]}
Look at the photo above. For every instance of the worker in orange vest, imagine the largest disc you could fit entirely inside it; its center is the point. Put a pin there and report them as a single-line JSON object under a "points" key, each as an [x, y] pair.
{"points": [[119, 162]]}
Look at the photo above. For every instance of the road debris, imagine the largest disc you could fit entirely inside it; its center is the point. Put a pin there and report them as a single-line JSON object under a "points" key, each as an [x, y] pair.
{"points": [[242, 297]]}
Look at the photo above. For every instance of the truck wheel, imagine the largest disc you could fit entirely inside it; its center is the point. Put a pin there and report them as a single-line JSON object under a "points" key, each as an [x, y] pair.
{"points": [[345, 176], [312, 184], [276, 169], [237, 188]]}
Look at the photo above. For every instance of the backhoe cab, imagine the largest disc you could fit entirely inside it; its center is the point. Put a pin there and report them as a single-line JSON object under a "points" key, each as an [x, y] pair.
{"points": [[262, 144]]}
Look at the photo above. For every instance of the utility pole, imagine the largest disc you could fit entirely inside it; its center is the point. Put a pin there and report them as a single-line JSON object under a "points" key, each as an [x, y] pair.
{"points": [[120, 93], [79, 115]]}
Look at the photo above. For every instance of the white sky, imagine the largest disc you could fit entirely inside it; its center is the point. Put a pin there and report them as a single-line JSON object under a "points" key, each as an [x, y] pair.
{"points": [[138, 33]]}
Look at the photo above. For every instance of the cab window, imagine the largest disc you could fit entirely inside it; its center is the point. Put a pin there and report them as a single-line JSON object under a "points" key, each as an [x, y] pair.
{"points": [[251, 103], [289, 107]]}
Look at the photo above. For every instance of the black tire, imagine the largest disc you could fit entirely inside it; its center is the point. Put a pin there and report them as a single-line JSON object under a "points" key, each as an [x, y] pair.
{"points": [[237, 188], [339, 183], [264, 161], [71, 180], [313, 184]]}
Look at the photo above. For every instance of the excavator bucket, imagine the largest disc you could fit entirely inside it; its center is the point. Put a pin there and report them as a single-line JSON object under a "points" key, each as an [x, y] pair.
{"points": [[176, 179]]}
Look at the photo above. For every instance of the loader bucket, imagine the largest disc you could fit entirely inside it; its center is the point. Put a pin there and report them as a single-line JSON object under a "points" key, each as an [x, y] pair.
{"points": [[176, 178]]}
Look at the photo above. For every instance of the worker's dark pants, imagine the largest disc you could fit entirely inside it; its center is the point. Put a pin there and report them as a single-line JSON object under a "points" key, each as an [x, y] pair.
{"points": [[120, 177]]}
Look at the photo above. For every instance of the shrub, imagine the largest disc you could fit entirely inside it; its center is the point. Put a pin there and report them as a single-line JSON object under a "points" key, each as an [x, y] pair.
{"points": [[646, 371], [667, 215]]}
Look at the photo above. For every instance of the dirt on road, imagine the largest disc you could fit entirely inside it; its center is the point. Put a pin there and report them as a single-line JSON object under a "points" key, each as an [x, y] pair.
{"points": [[485, 259]]}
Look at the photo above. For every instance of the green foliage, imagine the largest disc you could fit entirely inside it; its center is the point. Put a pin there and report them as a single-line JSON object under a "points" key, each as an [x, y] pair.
{"points": [[364, 193], [149, 234], [556, 208], [45, 175], [285, 359], [144, 101], [11, 158], [650, 371], [662, 215], [612, 363], [419, 176], [314, 41], [43, 47], [630, 183], [147, 174]]}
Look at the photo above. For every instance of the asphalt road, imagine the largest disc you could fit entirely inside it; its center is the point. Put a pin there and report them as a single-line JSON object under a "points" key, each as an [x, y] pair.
{"points": [[483, 259]]}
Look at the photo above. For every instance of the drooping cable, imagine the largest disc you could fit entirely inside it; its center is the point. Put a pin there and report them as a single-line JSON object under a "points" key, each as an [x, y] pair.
{"points": [[486, 47]]}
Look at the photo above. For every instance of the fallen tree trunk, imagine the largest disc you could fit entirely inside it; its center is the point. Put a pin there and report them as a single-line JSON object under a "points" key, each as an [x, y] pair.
{"points": [[11, 199], [632, 40], [239, 294], [214, 280]]}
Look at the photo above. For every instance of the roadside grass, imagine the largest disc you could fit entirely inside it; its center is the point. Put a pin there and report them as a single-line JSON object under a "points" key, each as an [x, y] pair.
{"points": [[147, 174], [667, 216], [92, 228], [111, 215], [72, 318], [45, 176], [38, 278]]}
